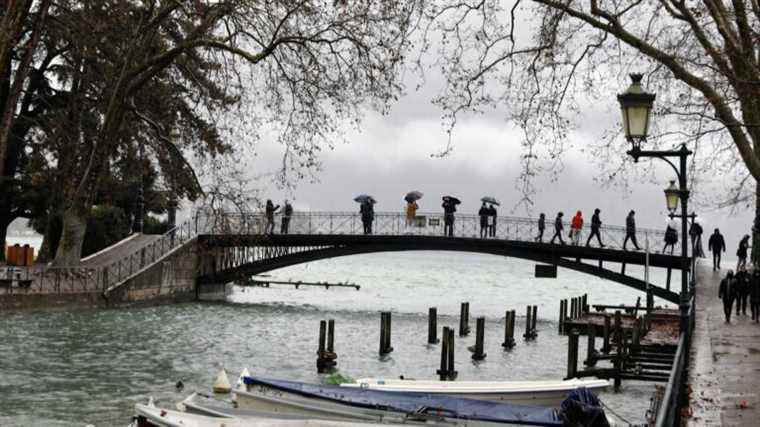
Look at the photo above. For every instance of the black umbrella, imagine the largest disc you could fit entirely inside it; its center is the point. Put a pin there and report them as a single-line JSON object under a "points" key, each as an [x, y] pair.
{"points": [[413, 196], [451, 199]]}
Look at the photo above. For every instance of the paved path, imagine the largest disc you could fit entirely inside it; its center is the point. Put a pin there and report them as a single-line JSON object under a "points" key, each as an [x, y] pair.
{"points": [[725, 360], [119, 250]]}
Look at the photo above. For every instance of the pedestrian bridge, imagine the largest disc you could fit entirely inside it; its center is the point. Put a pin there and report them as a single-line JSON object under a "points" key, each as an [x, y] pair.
{"points": [[234, 246], [215, 248]]}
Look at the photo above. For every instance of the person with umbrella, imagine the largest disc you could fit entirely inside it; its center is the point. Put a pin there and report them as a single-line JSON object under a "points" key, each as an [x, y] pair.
{"points": [[269, 211], [449, 206], [483, 213], [491, 214], [558, 227], [368, 215], [411, 207]]}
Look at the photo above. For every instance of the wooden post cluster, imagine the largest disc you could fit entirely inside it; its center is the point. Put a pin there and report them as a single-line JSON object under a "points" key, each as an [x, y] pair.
{"points": [[509, 330], [447, 371], [326, 354], [385, 333], [480, 326], [432, 325], [464, 319], [531, 314]]}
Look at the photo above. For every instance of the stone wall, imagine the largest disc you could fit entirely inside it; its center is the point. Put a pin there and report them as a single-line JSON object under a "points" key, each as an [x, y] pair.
{"points": [[168, 281]]}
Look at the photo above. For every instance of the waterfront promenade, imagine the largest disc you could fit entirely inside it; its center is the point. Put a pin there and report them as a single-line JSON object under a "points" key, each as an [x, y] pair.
{"points": [[725, 361]]}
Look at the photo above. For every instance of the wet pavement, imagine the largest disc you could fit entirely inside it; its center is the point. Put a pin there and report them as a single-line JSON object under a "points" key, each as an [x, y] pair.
{"points": [[724, 371]]}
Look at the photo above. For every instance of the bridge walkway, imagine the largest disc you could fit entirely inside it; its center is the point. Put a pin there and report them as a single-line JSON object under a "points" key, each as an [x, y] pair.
{"points": [[724, 370], [119, 250]]}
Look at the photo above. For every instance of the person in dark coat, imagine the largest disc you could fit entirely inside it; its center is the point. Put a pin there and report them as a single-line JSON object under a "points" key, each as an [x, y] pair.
{"points": [[492, 214], [541, 227], [448, 217], [754, 295], [270, 210], [726, 293], [558, 227], [695, 232], [368, 215], [716, 245], [671, 236], [741, 291], [483, 214], [630, 230], [596, 224], [287, 212], [741, 253]]}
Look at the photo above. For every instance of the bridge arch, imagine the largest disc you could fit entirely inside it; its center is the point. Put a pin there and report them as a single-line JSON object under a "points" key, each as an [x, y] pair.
{"points": [[229, 258]]}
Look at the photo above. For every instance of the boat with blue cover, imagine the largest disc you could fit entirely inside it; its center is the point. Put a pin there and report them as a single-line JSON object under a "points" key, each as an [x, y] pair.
{"points": [[337, 402]]}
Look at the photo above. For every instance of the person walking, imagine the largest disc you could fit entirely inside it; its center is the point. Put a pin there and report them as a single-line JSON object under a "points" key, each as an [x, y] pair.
{"points": [[576, 225], [287, 212], [492, 215], [449, 208], [726, 293], [483, 214], [754, 295], [541, 227], [717, 245], [671, 236], [695, 232], [368, 215], [411, 213], [741, 290], [596, 225], [630, 230], [741, 253], [558, 227], [270, 210]]}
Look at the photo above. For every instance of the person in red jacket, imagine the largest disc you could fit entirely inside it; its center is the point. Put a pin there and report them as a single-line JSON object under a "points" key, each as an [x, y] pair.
{"points": [[575, 228]]}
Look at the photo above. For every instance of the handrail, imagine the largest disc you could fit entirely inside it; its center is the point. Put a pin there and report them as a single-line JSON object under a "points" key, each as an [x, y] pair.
{"points": [[669, 412]]}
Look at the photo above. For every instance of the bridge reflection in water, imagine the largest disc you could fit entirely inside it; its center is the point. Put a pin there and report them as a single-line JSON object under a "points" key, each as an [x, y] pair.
{"points": [[234, 246]]}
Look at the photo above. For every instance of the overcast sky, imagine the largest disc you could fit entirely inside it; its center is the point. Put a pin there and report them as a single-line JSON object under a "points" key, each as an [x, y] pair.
{"points": [[391, 155]]}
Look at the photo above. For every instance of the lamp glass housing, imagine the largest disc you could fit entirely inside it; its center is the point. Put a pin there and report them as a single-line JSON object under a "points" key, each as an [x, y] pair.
{"points": [[636, 108], [672, 194]]}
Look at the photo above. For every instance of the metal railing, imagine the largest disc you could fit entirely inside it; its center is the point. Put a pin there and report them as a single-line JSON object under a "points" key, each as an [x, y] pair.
{"points": [[424, 224], [676, 396]]}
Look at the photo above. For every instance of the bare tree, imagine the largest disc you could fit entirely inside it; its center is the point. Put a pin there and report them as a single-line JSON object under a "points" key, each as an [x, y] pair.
{"points": [[546, 61], [307, 65]]}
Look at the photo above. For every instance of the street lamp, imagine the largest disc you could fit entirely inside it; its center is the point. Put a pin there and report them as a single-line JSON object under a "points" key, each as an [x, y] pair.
{"points": [[672, 194], [636, 107]]}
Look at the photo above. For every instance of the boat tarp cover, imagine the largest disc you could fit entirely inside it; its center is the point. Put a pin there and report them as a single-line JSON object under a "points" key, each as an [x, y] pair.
{"points": [[421, 403], [582, 407]]}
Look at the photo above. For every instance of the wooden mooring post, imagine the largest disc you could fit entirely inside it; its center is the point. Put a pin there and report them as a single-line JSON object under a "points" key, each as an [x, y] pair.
{"points": [[591, 353], [562, 316], [534, 318], [509, 330], [446, 371], [584, 303], [572, 308], [432, 325], [464, 319], [326, 356], [385, 333], [620, 347], [530, 323], [572, 354], [480, 326], [606, 335]]}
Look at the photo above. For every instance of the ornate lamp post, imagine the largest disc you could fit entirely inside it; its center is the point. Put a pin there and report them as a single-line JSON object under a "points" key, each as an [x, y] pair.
{"points": [[636, 107]]}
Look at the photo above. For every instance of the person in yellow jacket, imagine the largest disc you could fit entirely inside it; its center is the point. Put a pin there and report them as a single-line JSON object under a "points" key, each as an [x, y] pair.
{"points": [[411, 212]]}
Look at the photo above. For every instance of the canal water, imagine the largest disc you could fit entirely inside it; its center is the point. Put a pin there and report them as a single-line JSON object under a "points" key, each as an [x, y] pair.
{"points": [[92, 366]]}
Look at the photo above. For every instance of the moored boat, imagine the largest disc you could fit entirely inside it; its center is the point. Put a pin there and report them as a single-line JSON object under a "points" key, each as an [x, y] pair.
{"points": [[385, 407], [540, 393]]}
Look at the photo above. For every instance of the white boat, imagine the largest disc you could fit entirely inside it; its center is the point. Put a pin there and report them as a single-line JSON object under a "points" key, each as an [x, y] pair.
{"points": [[540, 393], [151, 416], [325, 401]]}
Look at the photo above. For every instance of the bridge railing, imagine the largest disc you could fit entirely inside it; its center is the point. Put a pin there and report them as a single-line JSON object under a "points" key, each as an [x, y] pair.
{"points": [[426, 224]]}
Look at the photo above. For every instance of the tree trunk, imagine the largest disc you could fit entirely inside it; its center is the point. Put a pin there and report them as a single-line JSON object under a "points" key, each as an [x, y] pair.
{"points": [[72, 237], [756, 228]]}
